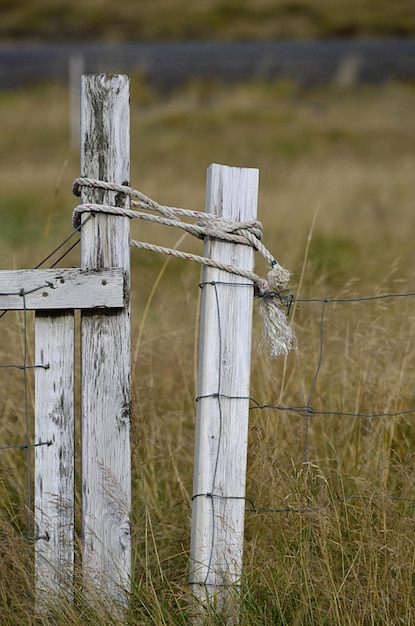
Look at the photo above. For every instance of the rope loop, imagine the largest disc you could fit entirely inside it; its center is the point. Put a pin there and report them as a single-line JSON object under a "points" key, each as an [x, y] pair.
{"points": [[277, 333], [219, 227]]}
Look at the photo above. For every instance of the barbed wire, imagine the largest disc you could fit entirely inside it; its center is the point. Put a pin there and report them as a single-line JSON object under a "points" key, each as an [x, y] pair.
{"points": [[24, 446], [327, 505]]}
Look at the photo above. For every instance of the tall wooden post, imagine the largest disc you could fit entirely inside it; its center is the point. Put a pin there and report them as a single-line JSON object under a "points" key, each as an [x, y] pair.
{"points": [[105, 346], [223, 405]]}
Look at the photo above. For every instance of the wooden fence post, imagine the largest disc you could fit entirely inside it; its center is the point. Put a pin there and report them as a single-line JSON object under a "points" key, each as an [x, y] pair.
{"points": [[223, 399], [105, 347], [54, 454]]}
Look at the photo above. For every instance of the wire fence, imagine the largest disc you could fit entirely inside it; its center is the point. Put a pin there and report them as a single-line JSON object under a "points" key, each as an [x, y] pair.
{"points": [[311, 412], [307, 411], [312, 409]]}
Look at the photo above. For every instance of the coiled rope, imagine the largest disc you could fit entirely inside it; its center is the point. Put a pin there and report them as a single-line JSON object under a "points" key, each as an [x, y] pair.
{"points": [[277, 333]]}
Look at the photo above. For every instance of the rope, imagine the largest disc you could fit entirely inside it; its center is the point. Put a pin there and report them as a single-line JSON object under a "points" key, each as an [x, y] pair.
{"points": [[276, 331]]}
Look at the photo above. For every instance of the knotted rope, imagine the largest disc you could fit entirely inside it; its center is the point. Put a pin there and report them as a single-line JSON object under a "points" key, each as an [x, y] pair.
{"points": [[277, 333]]}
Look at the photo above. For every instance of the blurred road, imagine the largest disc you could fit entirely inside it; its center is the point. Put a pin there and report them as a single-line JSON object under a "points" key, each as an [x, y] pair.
{"points": [[168, 64]]}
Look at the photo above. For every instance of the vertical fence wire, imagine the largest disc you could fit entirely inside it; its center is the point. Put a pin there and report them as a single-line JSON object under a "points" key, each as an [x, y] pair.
{"points": [[27, 444], [26, 408]]}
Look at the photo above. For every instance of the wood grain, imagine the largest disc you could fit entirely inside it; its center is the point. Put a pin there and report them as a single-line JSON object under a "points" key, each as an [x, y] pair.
{"points": [[223, 392], [54, 455], [105, 347], [72, 288]]}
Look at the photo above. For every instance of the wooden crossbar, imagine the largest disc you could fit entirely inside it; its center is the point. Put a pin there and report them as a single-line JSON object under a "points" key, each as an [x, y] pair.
{"points": [[52, 289]]}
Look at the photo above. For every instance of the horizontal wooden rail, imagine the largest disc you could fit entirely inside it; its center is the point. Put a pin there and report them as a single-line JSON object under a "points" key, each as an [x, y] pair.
{"points": [[53, 289]]}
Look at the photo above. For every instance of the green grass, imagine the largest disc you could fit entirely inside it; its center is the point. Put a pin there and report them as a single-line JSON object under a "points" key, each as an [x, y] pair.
{"points": [[207, 19], [343, 158]]}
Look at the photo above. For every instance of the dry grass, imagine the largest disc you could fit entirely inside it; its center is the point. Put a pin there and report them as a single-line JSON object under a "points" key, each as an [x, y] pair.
{"points": [[347, 154]]}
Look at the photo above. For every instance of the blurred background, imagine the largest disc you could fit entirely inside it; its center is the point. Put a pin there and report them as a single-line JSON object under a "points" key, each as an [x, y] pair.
{"points": [[318, 94]]}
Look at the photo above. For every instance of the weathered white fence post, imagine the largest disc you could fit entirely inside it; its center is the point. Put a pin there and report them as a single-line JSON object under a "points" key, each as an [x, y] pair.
{"points": [[223, 399], [105, 346], [54, 454]]}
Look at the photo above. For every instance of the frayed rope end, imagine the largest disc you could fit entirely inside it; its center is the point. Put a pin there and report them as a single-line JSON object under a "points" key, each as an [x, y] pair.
{"points": [[277, 334]]}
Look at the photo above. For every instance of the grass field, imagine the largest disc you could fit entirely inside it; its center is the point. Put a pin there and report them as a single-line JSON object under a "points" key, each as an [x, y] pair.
{"points": [[208, 19], [336, 200]]}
